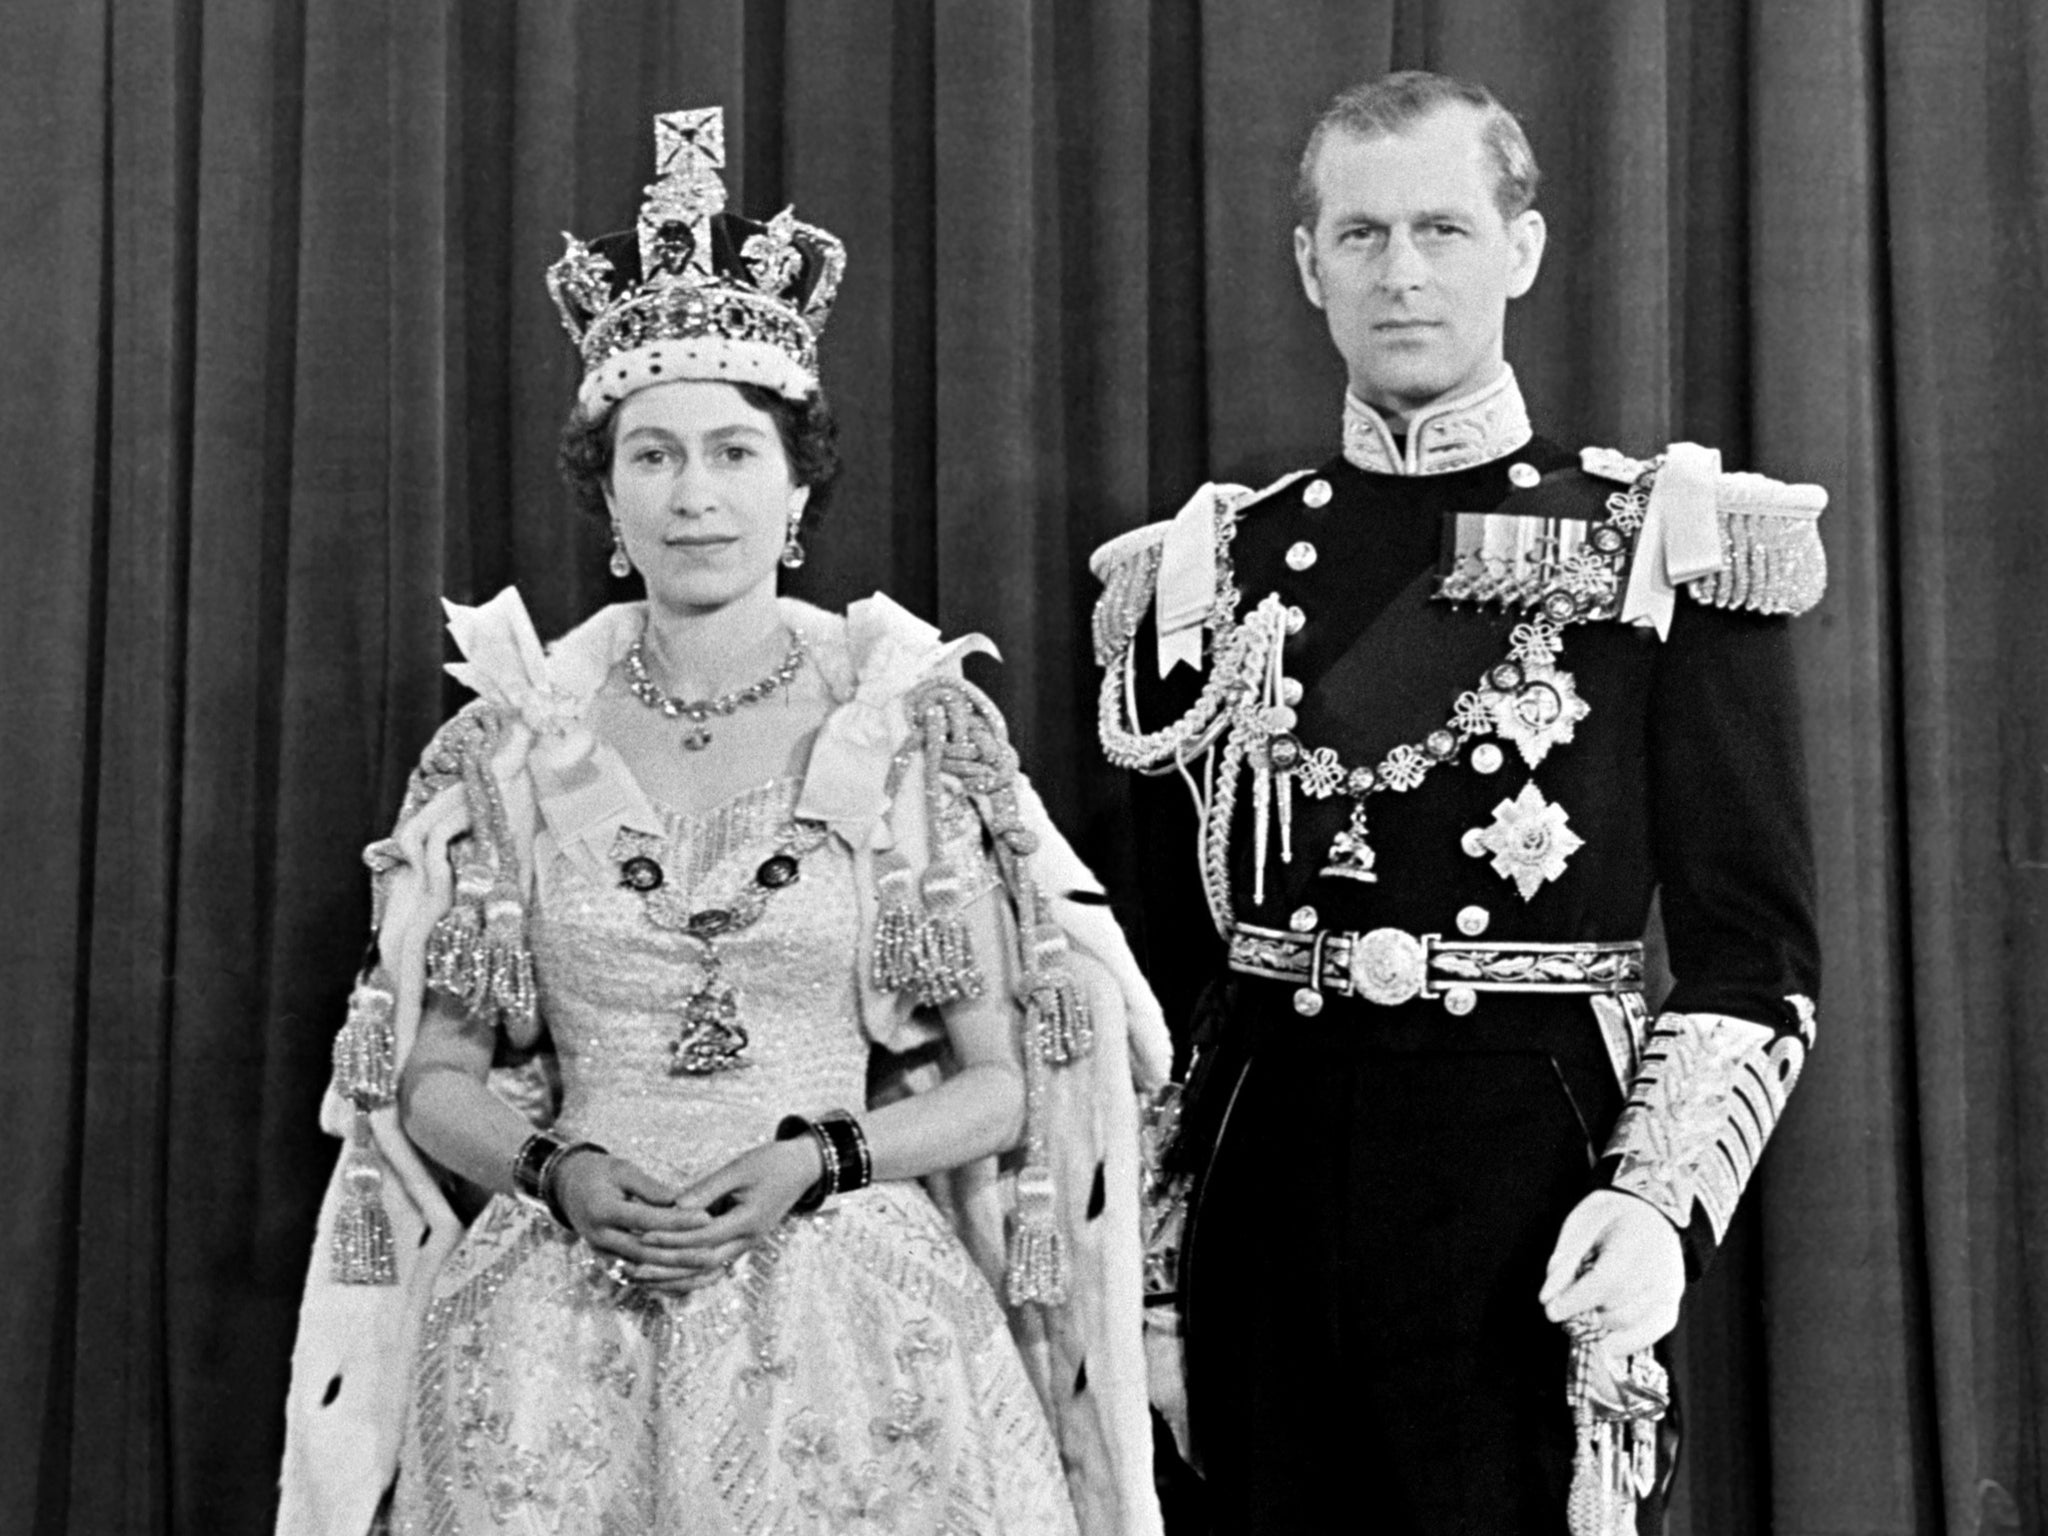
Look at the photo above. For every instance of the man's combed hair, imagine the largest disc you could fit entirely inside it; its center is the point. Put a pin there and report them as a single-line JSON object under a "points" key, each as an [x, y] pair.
{"points": [[1394, 103]]}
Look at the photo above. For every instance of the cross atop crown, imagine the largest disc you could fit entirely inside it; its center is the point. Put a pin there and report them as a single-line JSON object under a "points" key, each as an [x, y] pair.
{"points": [[689, 152]]}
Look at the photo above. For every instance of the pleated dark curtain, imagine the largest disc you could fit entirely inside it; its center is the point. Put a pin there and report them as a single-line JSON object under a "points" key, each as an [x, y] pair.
{"points": [[278, 371]]}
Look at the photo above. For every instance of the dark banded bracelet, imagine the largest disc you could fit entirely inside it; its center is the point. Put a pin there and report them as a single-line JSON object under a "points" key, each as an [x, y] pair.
{"points": [[855, 1165], [534, 1153], [540, 1159], [842, 1152]]}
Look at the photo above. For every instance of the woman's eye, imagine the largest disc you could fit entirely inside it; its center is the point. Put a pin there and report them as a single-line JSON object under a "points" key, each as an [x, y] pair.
{"points": [[651, 456], [736, 453]]}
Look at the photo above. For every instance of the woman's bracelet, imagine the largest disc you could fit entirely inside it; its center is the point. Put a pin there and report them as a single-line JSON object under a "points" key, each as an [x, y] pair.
{"points": [[842, 1152], [540, 1158], [856, 1166]]}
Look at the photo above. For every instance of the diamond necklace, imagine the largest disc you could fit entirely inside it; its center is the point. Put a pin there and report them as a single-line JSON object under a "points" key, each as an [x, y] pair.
{"points": [[697, 711]]}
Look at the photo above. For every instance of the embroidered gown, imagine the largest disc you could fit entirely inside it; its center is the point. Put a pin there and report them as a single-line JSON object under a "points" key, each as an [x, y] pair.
{"points": [[854, 1375]]}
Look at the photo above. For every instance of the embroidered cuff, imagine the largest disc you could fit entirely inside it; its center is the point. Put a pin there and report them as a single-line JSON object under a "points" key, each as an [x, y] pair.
{"points": [[1705, 1101]]}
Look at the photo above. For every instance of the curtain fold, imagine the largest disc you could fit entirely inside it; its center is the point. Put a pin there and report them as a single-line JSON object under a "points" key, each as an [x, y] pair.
{"points": [[280, 372]]}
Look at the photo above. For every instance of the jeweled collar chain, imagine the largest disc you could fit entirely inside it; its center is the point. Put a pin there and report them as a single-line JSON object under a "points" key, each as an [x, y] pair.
{"points": [[697, 711], [1526, 699], [711, 1038], [1489, 423]]}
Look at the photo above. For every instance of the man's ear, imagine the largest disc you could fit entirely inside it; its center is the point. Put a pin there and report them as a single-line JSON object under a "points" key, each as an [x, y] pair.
{"points": [[1526, 236], [1305, 260]]}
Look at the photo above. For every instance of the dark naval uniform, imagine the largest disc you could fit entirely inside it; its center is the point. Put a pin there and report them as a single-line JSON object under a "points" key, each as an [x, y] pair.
{"points": [[1453, 709]]}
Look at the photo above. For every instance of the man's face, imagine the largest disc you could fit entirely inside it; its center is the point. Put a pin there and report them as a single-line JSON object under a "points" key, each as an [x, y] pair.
{"points": [[1411, 262]]}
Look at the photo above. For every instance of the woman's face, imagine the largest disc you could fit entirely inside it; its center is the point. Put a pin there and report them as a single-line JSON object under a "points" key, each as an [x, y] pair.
{"points": [[701, 489]]}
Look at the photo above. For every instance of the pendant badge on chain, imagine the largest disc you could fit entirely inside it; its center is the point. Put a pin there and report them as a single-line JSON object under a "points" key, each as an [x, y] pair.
{"points": [[710, 1038]]}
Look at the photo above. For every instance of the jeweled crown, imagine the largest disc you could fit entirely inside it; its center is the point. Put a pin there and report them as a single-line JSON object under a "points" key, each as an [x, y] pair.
{"points": [[695, 292]]}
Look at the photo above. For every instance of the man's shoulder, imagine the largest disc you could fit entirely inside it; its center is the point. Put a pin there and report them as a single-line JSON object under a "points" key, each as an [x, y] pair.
{"points": [[1174, 563], [1731, 538], [1215, 503]]}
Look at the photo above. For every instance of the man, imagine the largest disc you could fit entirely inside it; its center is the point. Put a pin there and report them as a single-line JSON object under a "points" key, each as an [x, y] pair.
{"points": [[1452, 707]]}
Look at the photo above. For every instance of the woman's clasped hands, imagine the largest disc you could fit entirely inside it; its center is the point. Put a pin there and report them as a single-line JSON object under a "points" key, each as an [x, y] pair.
{"points": [[660, 1238]]}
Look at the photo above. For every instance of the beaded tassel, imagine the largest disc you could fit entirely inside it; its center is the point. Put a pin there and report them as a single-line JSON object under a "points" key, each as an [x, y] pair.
{"points": [[477, 953], [946, 967], [893, 965], [455, 948], [1038, 1249], [1057, 1020], [363, 1251], [921, 943], [506, 962], [488, 946], [1037, 1269], [366, 1050], [366, 1074]]}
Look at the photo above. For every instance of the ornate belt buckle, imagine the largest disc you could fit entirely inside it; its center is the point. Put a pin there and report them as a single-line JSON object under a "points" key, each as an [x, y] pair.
{"points": [[1388, 966]]}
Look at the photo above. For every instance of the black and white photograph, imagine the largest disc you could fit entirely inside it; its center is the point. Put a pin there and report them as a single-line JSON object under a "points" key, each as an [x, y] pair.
{"points": [[1024, 767]]}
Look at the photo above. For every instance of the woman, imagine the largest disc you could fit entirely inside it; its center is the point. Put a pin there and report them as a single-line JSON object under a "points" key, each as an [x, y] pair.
{"points": [[752, 901]]}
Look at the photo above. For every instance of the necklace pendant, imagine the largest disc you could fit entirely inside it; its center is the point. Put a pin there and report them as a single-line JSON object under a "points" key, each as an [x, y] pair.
{"points": [[1351, 856], [696, 738], [711, 1040]]}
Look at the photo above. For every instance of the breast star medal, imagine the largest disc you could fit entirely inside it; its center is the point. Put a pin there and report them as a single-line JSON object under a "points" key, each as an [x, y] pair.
{"points": [[1531, 840]]}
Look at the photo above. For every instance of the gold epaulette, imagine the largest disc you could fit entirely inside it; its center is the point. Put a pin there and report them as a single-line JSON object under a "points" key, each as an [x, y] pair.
{"points": [[1772, 559], [1128, 568]]}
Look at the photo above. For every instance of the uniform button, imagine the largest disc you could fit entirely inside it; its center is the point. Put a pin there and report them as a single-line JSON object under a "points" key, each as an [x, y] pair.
{"points": [[1316, 494], [1472, 921], [1486, 758], [1474, 842], [1308, 1002], [1523, 475], [1460, 1001], [1301, 556], [1304, 919], [1295, 619], [1290, 690]]}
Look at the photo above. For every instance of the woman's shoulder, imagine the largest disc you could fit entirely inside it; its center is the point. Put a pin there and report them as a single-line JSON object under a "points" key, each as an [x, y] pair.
{"points": [[461, 737], [878, 648]]}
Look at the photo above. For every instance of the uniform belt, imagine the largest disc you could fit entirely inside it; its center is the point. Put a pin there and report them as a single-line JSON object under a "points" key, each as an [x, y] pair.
{"points": [[1390, 965]]}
